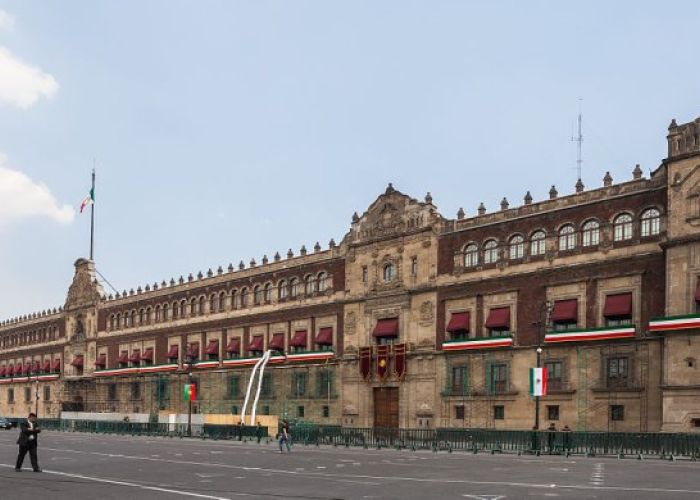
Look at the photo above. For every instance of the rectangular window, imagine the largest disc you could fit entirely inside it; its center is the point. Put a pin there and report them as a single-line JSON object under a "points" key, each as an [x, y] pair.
{"points": [[112, 392], [234, 410], [555, 380], [553, 412], [617, 413], [326, 411], [324, 383], [162, 392], [498, 374], [10, 395], [27, 394], [266, 388], [414, 266], [459, 380], [47, 393], [618, 371], [300, 412], [299, 384], [459, 412], [499, 412], [135, 390], [364, 274], [234, 386], [266, 410]]}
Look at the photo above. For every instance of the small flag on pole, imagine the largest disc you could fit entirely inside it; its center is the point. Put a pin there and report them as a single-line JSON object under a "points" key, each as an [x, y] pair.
{"points": [[89, 200], [190, 392], [538, 381]]}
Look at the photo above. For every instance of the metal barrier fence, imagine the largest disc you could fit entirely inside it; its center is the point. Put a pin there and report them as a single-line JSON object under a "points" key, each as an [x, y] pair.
{"points": [[621, 444]]}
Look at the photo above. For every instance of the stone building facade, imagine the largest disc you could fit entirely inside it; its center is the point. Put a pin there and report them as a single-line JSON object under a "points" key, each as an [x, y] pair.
{"points": [[412, 320]]}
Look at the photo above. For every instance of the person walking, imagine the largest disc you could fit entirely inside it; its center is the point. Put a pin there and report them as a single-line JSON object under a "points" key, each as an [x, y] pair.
{"points": [[28, 443], [567, 438], [258, 431], [552, 430], [284, 436]]}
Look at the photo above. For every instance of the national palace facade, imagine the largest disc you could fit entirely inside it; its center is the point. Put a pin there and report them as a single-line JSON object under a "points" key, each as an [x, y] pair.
{"points": [[411, 320]]}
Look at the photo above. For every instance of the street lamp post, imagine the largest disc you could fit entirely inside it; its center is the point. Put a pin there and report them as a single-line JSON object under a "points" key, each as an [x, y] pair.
{"points": [[546, 311], [190, 361]]}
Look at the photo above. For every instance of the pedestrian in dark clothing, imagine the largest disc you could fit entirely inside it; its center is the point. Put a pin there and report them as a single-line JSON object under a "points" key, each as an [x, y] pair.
{"points": [[552, 429], [284, 436], [240, 430], [28, 443], [258, 432], [567, 438]]}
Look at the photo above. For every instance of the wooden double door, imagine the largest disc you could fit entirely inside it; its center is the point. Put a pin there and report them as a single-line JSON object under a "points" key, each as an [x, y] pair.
{"points": [[386, 407]]}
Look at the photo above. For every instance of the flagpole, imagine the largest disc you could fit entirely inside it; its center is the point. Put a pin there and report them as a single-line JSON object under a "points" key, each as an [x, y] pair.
{"points": [[92, 214]]}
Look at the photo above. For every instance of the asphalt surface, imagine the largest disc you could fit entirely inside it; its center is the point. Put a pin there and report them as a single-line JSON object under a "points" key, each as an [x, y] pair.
{"points": [[90, 466]]}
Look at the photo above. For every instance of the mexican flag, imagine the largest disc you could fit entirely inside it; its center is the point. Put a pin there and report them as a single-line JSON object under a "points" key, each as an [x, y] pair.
{"points": [[89, 200], [538, 381], [190, 392]]}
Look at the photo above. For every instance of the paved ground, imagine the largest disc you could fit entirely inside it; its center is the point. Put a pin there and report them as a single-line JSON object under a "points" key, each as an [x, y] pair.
{"points": [[78, 466]]}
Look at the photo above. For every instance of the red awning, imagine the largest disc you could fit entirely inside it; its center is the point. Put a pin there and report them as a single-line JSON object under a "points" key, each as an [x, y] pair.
{"points": [[135, 356], [174, 352], [697, 291], [213, 347], [325, 336], [101, 361], [387, 327], [193, 350], [56, 366], [459, 322], [234, 346], [565, 310], [256, 344], [25, 368], [10, 370], [277, 342], [47, 366], [77, 361], [618, 305], [37, 366], [124, 358], [3, 370], [299, 339], [147, 355], [498, 318]]}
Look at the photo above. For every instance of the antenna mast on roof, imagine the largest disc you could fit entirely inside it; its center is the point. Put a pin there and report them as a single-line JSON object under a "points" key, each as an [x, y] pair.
{"points": [[579, 142]]}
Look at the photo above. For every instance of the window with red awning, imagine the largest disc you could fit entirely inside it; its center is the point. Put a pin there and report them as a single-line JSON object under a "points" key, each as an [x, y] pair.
{"points": [[618, 305], [498, 319], [386, 327], [10, 370], [256, 345], [213, 347], [77, 361], [174, 352], [234, 346], [697, 291], [277, 342], [124, 358], [3, 370], [459, 323], [37, 366], [565, 312], [47, 366], [101, 361], [193, 350], [147, 355], [325, 336], [299, 339], [56, 366], [25, 368], [135, 356]]}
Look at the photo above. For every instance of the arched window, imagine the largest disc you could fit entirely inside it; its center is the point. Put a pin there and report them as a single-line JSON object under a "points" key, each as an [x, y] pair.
{"points": [[257, 295], [142, 317], [471, 255], [293, 287], [322, 281], [111, 322], [591, 233], [490, 252], [176, 310], [267, 293], [212, 303], [309, 285], [193, 306], [244, 297], [148, 315], [158, 316], [119, 320], [200, 308], [389, 272], [283, 291], [622, 227], [183, 308], [222, 301], [537, 243], [165, 312], [651, 222], [132, 319], [516, 247], [567, 238], [234, 299]]}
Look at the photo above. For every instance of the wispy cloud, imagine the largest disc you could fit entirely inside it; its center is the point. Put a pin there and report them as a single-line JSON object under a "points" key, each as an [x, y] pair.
{"points": [[23, 198], [21, 85], [6, 21]]}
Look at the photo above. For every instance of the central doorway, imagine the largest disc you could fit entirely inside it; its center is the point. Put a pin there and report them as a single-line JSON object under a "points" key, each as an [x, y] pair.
{"points": [[386, 407]]}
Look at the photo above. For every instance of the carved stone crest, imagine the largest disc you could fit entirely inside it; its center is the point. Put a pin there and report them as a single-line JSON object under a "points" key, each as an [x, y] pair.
{"points": [[427, 314], [84, 290], [350, 323]]}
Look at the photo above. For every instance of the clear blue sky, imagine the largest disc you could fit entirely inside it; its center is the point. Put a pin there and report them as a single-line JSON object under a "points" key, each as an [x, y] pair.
{"points": [[228, 130]]}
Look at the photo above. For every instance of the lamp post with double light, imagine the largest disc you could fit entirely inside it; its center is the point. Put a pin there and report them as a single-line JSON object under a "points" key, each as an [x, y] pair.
{"points": [[545, 313]]}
